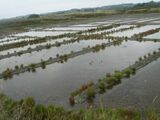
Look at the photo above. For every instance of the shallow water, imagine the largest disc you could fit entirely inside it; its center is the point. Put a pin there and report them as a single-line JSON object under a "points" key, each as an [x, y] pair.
{"points": [[116, 28], [71, 28], [35, 57], [14, 39], [130, 33], [154, 36], [84, 25], [57, 81], [33, 46], [137, 92], [43, 33], [107, 30], [156, 22], [54, 84]]}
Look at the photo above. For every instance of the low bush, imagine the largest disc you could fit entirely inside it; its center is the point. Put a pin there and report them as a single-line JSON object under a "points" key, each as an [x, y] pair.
{"points": [[7, 73], [101, 87], [90, 93]]}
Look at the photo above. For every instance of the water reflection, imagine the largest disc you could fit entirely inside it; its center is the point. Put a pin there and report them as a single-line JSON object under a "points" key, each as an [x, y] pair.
{"points": [[57, 81]]}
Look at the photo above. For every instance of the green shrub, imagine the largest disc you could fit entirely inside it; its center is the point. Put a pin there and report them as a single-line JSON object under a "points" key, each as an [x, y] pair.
{"points": [[71, 101], [43, 64], [40, 112], [140, 59], [22, 66], [133, 70], [7, 73], [16, 67], [32, 66], [51, 112], [108, 75], [118, 75], [48, 46], [154, 52], [102, 87], [127, 72], [90, 93], [151, 114], [29, 102], [111, 81]]}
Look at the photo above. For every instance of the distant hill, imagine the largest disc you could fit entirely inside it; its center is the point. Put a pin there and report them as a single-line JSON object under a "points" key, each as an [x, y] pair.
{"points": [[34, 16], [129, 6], [120, 7], [151, 4], [111, 7], [103, 8]]}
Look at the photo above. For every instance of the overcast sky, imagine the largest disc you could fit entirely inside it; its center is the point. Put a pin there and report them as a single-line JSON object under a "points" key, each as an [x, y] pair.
{"points": [[12, 8]]}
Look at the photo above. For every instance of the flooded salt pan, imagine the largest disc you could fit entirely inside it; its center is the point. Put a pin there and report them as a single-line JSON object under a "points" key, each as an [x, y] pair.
{"points": [[138, 92], [35, 57], [43, 33], [154, 36], [64, 78], [130, 33]]}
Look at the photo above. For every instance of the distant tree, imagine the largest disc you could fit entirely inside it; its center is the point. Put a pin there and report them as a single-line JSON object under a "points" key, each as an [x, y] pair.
{"points": [[34, 16]]}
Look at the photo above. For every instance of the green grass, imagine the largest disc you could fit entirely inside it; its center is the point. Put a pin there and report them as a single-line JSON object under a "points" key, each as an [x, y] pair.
{"points": [[27, 109]]}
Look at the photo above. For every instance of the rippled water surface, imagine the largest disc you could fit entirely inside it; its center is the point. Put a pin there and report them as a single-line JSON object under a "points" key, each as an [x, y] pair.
{"points": [[140, 91], [54, 84]]}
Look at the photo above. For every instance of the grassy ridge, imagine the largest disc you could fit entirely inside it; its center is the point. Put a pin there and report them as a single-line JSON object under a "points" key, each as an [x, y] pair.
{"points": [[27, 109]]}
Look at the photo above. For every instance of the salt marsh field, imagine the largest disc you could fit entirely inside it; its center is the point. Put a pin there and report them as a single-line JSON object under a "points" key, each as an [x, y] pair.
{"points": [[50, 63]]}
